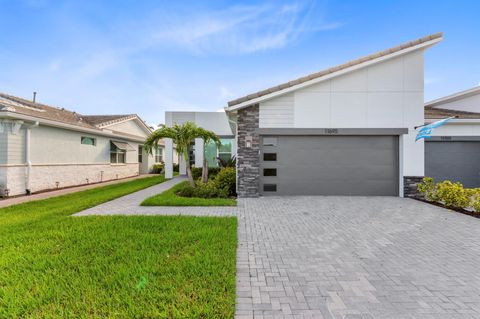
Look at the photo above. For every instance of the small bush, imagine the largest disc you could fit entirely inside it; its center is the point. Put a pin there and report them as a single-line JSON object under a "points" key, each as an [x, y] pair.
{"points": [[427, 189], [226, 180], [201, 190], [452, 194], [158, 168], [197, 172]]}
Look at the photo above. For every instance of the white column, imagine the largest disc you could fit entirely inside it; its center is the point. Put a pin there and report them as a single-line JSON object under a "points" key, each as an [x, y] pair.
{"points": [[199, 152], [168, 158], [182, 165]]}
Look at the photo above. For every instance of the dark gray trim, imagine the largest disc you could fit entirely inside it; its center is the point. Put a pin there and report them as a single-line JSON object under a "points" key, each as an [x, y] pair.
{"points": [[453, 139], [332, 131]]}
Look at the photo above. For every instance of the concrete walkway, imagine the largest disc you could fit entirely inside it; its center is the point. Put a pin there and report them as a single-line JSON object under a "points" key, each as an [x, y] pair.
{"points": [[130, 204], [24, 199]]}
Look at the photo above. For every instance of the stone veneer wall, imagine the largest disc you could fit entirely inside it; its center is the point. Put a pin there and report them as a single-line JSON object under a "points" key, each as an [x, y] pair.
{"points": [[410, 186], [45, 177], [248, 159]]}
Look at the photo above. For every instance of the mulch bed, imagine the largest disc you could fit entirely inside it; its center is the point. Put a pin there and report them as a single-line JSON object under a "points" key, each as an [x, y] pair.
{"points": [[459, 210]]}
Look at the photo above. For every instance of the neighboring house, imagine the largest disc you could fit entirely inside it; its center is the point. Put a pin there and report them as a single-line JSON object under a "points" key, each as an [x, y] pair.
{"points": [[44, 147], [453, 151], [347, 130], [213, 121]]}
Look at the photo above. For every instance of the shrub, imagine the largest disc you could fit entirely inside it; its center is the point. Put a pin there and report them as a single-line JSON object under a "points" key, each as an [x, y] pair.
{"points": [[453, 194], [475, 199], [158, 168], [226, 180], [427, 189], [197, 172], [208, 190]]}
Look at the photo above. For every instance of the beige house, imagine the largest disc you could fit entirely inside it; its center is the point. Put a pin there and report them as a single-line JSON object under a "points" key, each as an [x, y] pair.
{"points": [[44, 147]]}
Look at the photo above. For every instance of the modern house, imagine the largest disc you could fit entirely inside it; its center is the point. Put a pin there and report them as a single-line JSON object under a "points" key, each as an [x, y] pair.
{"points": [[213, 121], [347, 130], [453, 151], [44, 147]]}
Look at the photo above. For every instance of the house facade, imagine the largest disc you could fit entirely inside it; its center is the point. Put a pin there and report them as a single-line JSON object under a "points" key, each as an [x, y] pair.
{"points": [[347, 130], [44, 147], [216, 122], [453, 151]]}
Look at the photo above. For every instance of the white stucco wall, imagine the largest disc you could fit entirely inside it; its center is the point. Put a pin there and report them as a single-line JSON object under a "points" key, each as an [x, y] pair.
{"points": [[51, 145], [388, 94], [468, 104], [212, 121], [129, 127], [457, 129]]}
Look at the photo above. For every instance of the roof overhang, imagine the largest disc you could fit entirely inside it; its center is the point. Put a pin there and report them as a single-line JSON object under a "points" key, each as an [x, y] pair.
{"points": [[32, 119], [333, 74], [135, 118], [454, 121], [454, 97]]}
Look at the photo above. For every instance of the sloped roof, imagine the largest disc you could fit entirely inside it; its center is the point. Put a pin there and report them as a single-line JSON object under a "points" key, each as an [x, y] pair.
{"points": [[23, 106], [335, 69], [455, 96], [19, 105], [439, 113], [101, 120]]}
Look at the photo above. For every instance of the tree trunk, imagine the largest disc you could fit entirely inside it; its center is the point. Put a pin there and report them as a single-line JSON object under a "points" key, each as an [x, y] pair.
{"points": [[205, 171], [189, 176]]}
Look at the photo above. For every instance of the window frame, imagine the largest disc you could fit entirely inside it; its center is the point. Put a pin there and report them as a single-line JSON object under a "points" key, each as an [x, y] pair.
{"points": [[158, 157], [89, 138], [117, 156]]}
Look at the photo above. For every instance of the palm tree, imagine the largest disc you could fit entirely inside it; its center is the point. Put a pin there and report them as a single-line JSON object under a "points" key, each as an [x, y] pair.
{"points": [[181, 135], [207, 137]]}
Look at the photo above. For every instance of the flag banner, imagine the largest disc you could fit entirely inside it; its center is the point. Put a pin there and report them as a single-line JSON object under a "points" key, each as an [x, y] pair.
{"points": [[426, 130]]}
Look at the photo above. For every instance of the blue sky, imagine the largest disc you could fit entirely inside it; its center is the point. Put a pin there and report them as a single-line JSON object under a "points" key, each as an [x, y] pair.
{"points": [[146, 57]]}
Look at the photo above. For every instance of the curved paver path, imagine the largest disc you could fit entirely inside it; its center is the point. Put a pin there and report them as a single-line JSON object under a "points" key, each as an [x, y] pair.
{"points": [[130, 204]]}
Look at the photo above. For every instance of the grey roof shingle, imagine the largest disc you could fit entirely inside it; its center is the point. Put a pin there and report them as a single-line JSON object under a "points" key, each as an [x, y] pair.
{"points": [[335, 69]]}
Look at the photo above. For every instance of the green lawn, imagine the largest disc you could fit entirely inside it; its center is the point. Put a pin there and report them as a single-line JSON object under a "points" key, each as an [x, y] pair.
{"points": [[169, 198], [53, 265]]}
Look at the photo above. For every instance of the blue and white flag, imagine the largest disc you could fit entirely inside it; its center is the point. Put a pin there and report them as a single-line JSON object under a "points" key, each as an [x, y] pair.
{"points": [[426, 130]]}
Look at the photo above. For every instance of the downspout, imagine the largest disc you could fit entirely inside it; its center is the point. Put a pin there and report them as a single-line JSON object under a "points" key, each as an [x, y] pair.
{"points": [[27, 157]]}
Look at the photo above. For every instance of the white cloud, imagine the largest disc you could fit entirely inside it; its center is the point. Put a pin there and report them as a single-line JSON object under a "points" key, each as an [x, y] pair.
{"points": [[238, 29]]}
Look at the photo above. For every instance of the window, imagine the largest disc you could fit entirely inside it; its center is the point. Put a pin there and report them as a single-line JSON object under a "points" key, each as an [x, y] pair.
{"points": [[88, 140], [225, 149], [270, 157], [269, 187], [269, 172], [191, 154], [269, 141], [158, 155], [140, 153], [117, 155]]}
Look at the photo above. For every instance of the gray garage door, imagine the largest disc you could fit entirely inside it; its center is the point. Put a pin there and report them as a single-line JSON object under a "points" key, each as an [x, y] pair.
{"points": [[329, 165], [457, 161]]}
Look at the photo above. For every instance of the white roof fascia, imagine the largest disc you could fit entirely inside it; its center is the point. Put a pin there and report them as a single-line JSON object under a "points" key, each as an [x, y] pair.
{"points": [[454, 96], [332, 75]]}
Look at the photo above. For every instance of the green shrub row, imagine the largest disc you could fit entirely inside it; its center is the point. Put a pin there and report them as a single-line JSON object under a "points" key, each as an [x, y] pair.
{"points": [[212, 172], [450, 194], [158, 168], [222, 186]]}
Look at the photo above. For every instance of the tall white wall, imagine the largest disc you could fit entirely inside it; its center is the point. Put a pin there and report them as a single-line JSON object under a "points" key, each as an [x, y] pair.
{"points": [[388, 94]]}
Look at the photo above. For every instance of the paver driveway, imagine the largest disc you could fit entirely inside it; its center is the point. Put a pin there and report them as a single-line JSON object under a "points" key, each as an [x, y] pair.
{"points": [[356, 257]]}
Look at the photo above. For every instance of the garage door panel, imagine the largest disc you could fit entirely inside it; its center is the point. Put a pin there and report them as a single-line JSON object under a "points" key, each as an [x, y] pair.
{"points": [[333, 165], [457, 161]]}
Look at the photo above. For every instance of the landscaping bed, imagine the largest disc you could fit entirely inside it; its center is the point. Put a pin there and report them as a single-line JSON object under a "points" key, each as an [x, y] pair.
{"points": [[170, 198], [53, 265], [451, 196]]}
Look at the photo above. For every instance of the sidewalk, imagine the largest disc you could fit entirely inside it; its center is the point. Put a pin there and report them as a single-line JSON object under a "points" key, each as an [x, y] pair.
{"points": [[24, 199]]}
